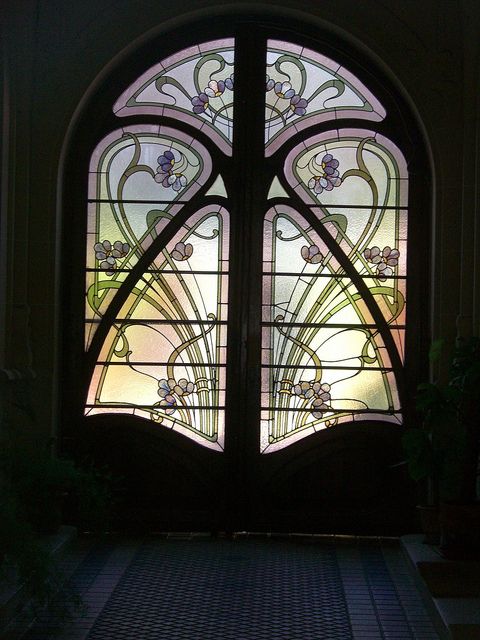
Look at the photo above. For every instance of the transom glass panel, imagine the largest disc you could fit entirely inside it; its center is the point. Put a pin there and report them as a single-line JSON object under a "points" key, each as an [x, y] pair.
{"points": [[194, 85]]}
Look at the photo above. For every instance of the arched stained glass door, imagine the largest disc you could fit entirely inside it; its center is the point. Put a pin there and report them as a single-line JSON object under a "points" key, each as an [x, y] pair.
{"points": [[247, 254]]}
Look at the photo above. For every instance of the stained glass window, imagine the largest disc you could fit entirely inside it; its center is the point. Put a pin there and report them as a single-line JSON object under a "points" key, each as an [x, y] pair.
{"points": [[194, 85], [305, 88], [334, 269], [334, 291], [164, 356]]}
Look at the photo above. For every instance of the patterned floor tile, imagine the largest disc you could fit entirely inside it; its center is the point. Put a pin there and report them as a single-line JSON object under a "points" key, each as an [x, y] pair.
{"points": [[243, 589]]}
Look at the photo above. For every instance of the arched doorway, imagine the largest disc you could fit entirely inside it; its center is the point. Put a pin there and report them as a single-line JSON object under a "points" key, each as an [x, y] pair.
{"points": [[246, 356]]}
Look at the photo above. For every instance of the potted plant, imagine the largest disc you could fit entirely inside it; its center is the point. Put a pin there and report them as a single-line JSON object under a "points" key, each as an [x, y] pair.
{"points": [[445, 448], [37, 491]]}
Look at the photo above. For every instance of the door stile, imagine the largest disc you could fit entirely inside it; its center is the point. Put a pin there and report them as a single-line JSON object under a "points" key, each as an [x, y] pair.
{"points": [[243, 371]]}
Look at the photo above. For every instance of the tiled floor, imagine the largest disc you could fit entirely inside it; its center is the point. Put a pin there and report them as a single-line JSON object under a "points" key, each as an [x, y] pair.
{"points": [[241, 589]]}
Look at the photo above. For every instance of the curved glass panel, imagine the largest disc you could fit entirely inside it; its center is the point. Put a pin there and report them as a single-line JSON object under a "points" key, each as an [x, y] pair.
{"points": [[139, 179], [324, 360], [304, 88], [194, 86], [348, 168], [164, 356]]}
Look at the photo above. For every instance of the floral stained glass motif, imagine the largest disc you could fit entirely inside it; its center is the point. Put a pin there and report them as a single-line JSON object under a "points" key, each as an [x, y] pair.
{"points": [[324, 358], [164, 355], [304, 88], [364, 212], [334, 305], [140, 178], [349, 168], [194, 85]]}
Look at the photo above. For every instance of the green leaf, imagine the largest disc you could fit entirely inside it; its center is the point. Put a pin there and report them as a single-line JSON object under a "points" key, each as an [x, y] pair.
{"points": [[435, 350], [418, 452], [338, 219], [154, 215]]}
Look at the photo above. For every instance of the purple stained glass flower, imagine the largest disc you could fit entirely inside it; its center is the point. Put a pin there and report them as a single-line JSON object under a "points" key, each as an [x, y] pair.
{"points": [[120, 249], [165, 175], [182, 251], [270, 83], [229, 82], [200, 103], [168, 404], [215, 88], [177, 181], [108, 254], [183, 387], [318, 408], [167, 389], [162, 179], [284, 90], [317, 392], [322, 390], [303, 389], [383, 259], [311, 254], [166, 161], [330, 177], [298, 105], [319, 404]]}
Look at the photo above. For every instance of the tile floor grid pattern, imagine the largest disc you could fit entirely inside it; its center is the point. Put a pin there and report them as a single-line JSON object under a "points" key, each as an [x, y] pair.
{"points": [[406, 589], [92, 556], [388, 610], [223, 590], [247, 590]]}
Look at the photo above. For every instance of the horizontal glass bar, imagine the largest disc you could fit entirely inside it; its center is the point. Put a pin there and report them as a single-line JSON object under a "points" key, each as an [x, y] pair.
{"points": [[148, 321], [324, 367], [165, 271], [159, 364], [332, 276], [178, 407], [114, 201], [327, 325], [321, 205], [331, 411]]}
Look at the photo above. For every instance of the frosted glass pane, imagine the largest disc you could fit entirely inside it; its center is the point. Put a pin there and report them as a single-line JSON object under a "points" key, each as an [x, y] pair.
{"points": [[152, 342], [314, 300], [322, 347], [304, 88], [276, 190], [217, 188], [194, 85]]}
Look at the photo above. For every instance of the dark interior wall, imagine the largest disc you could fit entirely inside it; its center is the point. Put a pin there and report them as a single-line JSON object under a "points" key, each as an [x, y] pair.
{"points": [[55, 51]]}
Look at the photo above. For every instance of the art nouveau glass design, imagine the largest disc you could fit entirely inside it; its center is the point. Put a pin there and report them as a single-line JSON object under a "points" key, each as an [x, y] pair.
{"points": [[163, 357], [139, 179], [305, 88], [194, 85], [334, 292], [334, 249]]}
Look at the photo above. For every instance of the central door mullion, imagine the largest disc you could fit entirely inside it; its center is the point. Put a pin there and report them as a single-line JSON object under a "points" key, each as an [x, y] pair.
{"points": [[243, 371]]}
